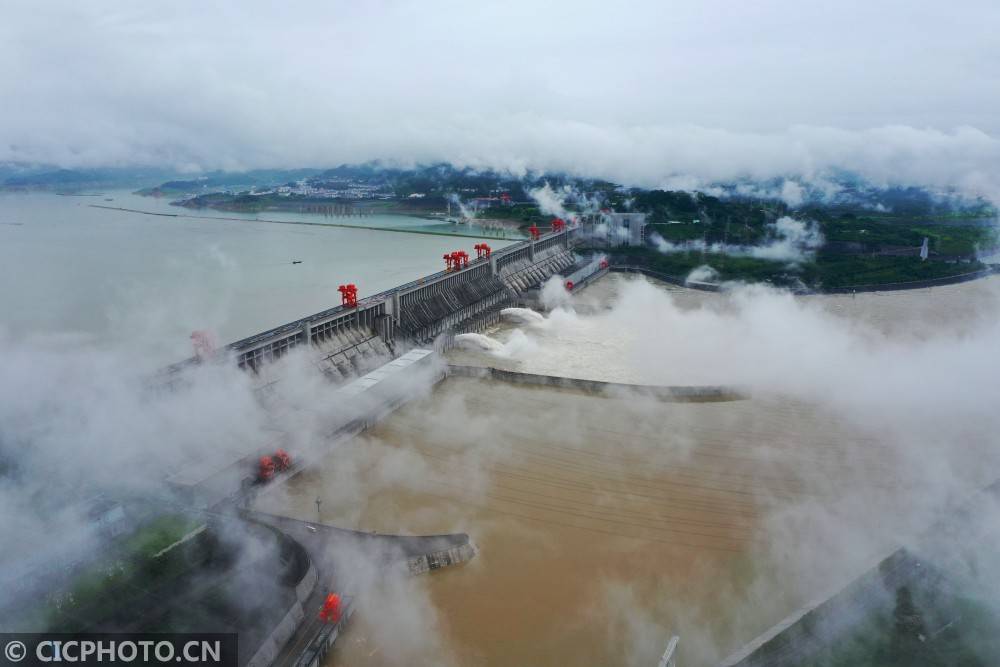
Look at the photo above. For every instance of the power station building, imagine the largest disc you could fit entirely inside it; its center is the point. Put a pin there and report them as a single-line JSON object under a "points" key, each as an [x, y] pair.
{"points": [[616, 229]]}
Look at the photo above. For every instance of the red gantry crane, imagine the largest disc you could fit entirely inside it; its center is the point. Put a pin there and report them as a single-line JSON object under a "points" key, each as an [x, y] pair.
{"points": [[282, 461], [348, 295], [265, 471], [203, 343], [331, 609], [459, 259]]}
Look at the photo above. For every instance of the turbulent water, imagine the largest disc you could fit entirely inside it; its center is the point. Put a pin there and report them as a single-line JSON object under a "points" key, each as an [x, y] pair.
{"points": [[580, 341], [119, 278], [522, 315], [607, 524], [476, 341]]}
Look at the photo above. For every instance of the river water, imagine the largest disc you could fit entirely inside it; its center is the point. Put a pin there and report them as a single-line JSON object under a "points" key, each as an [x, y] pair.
{"points": [[605, 524], [608, 524], [126, 280]]}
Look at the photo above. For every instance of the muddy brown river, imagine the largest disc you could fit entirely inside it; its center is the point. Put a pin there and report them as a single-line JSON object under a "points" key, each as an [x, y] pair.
{"points": [[607, 524]]}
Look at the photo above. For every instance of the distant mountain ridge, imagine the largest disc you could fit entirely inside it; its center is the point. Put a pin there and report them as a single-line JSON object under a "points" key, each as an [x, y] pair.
{"points": [[837, 190]]}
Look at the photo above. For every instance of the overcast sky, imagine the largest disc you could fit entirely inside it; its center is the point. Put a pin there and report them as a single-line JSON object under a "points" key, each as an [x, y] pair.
{"points": [[645, 92]]}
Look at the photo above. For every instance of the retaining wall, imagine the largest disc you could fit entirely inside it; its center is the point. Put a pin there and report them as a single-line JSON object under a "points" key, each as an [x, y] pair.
{"points": [[320, 646], [678, 394], [275, 641]]}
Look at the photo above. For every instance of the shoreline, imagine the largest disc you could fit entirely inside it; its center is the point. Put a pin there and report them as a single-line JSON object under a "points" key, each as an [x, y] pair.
{"points": [[879, 287], [303, 223]]}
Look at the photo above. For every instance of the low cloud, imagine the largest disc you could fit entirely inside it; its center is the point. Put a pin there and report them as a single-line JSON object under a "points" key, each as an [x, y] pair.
{"points": [[656, 96], [702, 274], [790, 240], [908, 384]]}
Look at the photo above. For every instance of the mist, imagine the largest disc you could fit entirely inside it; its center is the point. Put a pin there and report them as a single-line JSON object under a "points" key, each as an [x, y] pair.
{"points": [[653, 95], [914, 382], [789, 240], [777, 98]]}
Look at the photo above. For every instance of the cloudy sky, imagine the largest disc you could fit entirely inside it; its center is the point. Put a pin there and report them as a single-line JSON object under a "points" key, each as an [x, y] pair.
{"points": [[643, 92]]}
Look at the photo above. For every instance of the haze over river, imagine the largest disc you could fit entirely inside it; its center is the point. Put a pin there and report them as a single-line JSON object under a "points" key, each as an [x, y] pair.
{"points": [[608, 523], [605, 523], [112, 278]]}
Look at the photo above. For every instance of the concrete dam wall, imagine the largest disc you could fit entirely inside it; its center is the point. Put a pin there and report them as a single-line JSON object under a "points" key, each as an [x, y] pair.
{"points": [[350, 341]]}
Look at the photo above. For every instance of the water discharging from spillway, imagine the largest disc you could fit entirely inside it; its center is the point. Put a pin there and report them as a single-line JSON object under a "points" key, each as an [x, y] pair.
{"points": [[476, 341], [522, 316], [605, 524]]}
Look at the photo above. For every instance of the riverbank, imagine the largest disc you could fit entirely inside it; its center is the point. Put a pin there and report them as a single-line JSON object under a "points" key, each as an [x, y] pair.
{"points": [[823, 274], [885, 287], [375, 228]]}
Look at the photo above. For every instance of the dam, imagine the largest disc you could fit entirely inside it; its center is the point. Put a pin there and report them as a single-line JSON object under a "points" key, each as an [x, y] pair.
{"points": [[356, 344], [465, 299], [371, 349]]}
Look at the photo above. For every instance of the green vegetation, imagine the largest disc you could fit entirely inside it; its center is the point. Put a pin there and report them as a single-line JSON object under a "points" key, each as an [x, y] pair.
{"points": [[827, 271], [158, 534], [679, 265], [525, 214], [861, 248], [713, 213], [198, 586], [833, 271], [920, 629], [950, 240], [126, 574], [872, 235]]}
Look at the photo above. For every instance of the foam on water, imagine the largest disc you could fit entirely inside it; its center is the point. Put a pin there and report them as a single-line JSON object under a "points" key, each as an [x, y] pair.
{"points": [[517, 347], [523, 315], [474, 341]]}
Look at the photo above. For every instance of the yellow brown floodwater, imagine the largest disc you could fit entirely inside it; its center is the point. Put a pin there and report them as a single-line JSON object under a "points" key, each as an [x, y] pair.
{"points": [[607, 524]]}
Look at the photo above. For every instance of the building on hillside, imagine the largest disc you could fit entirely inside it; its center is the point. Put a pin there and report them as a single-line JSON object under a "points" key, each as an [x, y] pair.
{"points": [[616, 229]]}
